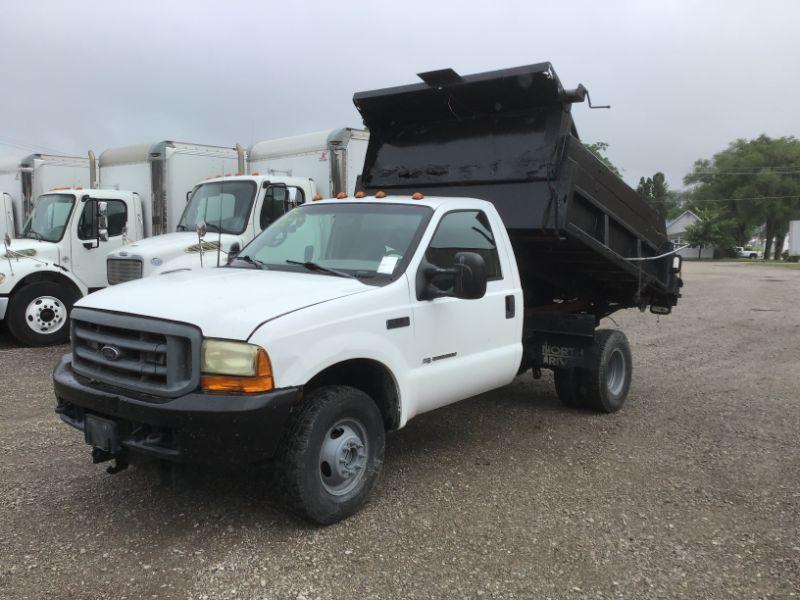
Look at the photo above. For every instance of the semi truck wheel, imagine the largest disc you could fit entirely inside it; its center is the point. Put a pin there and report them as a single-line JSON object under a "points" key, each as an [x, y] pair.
{"points": [[332, 454], [38, 314], [608, 381]]}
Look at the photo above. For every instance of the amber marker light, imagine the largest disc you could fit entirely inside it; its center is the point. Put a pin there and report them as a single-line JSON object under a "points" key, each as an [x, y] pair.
{"points": [[359, 194], [316, 197], [417, 196], [341, 195], [380, 194]]}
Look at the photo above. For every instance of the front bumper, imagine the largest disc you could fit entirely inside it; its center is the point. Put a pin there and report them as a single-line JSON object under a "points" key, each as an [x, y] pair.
{"points": [[3, 307], [196, 427]]}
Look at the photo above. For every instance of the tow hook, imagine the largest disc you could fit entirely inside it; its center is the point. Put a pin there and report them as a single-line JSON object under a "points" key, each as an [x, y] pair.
{"points": [[99, 455]]}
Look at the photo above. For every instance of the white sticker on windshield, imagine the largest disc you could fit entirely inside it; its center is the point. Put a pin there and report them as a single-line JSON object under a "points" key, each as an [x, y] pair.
{"points": [[388, 264]]}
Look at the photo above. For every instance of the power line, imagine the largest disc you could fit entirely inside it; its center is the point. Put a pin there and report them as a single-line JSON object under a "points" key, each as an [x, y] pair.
{"points": [[703, 200], [31, 148]]}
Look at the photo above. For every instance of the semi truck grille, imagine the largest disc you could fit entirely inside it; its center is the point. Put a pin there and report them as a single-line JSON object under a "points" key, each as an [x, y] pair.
{"points": [[145, 355], [120, 270]]}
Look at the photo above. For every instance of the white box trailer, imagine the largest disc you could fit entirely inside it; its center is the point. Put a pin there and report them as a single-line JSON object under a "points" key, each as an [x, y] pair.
{"points": [[40, 173], [164, 173], [11, 191], [794, 238], [333, 158]]}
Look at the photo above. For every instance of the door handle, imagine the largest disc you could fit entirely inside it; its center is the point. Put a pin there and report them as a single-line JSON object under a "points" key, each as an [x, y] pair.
{"points": [[510, 307]]}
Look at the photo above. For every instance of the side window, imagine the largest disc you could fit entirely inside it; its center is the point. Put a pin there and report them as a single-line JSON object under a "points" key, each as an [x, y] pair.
{"points": [[116, 216], [277, 201], [464, 231]]}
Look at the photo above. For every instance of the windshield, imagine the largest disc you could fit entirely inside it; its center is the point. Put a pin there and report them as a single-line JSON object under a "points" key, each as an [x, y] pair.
{"points": [[223, 205], [370, 241], [49, 217]]}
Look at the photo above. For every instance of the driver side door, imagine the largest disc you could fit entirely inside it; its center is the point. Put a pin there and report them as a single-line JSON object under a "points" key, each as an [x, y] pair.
{"points": [[88, 255], [465, 347]]}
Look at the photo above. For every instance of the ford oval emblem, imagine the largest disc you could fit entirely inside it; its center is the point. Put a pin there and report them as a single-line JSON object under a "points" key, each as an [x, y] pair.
{"points": [[110, 353]]}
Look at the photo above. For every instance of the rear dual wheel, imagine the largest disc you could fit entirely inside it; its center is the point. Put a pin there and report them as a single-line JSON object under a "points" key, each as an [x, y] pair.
{"points": [[604, 386]]}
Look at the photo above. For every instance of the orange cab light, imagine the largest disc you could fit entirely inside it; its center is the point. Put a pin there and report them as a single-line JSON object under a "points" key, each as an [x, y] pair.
{"points": [[209, 177], [380, 194], [78, 187], [261, 382], [316, 197], [341, 195], [256, 174], [227, 174], [359, 194], [417, 196], [238, 174]]}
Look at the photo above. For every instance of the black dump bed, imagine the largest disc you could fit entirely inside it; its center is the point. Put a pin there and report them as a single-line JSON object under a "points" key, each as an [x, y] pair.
{"points": [[508, 137]]}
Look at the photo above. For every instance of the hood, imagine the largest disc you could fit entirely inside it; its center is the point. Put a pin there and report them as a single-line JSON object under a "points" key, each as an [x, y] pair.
{"points": [[179, 250], [225, 303], [41, 250]]}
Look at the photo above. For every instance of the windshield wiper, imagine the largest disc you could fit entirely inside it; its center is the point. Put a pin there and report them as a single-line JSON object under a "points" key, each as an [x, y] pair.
{"points": [[312, 266], [34, 235], [252, 261]]}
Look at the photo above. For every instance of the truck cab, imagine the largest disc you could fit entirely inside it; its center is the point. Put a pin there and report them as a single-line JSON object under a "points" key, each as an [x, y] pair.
{"points": [[59, 257], [222, 215]]}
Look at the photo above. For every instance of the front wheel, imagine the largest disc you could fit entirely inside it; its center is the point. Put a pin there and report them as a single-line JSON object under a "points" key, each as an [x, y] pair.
{"points": [[38, 314], [332, 454]]}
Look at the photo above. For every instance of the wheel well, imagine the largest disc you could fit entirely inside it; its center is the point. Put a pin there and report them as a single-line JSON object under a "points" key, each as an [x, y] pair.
{"points": [[369, 376], [51, 277]]}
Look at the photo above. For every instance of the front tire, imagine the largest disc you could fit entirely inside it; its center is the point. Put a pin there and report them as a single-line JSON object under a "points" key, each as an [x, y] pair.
{"points": [[38, 314], [332, 454]]}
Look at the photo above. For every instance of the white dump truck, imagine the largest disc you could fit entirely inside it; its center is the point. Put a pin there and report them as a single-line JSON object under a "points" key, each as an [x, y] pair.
{"points": [[488, 242], [60, 257], [222, 215], [333, 158]]}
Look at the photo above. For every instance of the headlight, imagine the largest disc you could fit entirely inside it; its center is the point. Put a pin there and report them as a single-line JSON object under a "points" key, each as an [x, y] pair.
{"points": [[234, 367], [156, 262], [2, 277]]}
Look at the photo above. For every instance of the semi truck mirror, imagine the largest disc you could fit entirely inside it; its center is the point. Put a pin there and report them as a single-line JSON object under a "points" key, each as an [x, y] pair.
{"points": [[233, 252], [470, 276], [201, 229]]}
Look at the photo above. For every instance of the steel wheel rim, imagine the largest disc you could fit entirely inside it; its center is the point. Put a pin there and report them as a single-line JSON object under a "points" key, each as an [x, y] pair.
{"points": [[343, 457], [46, 315], [616, 372]]}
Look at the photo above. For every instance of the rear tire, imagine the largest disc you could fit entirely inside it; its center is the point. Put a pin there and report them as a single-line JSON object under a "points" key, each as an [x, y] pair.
{"points": [[331, 455], [38, 314], [608, 381]]}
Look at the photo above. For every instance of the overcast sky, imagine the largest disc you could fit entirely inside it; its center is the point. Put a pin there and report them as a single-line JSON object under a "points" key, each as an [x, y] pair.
{"points": [[683, 78]]}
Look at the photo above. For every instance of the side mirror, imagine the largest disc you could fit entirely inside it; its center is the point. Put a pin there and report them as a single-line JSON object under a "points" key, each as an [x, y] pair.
{"points": [[188, 196], [677, 261], [102, 222], [466, 280], [201, 229], [233, 252]]}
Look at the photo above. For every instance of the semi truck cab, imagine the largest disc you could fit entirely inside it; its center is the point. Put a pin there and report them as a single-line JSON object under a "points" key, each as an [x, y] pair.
{"points": [[222, 215], [59, 257]]}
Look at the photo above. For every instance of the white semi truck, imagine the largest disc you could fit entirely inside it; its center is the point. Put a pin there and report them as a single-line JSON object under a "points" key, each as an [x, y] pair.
{"points": [[332, 158], [229, 211], [60, 257], [11, 203], [163, 173], [489, 242]]}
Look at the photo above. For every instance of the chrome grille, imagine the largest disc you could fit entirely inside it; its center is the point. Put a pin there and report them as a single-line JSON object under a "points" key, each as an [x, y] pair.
{"points": [[120, 270], [146, 355]]}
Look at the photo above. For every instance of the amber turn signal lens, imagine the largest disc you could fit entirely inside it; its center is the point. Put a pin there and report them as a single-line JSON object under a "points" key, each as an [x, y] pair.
{"points": [[359, 194], [316, 197], [261, 382], [341, 195], [417, 196], [380, 194]]}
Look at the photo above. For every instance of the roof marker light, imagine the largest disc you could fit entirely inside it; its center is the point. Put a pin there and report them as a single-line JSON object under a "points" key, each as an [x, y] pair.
{"points": [[359, 194], [316, 197], [380, 194], [417, 196], [341, 195], [255, 174], [227, 175]]}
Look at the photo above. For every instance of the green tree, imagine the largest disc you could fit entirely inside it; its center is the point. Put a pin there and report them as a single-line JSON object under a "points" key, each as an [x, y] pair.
{"points": [[599, 150], [749, 184], [656, 192], [711, 230]]}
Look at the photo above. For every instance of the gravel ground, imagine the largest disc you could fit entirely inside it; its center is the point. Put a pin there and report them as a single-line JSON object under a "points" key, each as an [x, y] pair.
{"points": [[691, 491]]}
